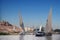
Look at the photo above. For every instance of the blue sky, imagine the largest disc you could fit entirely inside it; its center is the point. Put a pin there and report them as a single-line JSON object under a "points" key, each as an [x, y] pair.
{"points": [[34, 12]]}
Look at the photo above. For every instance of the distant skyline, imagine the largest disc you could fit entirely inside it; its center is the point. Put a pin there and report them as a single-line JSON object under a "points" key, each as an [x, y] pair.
{"points": [[33, 12]]}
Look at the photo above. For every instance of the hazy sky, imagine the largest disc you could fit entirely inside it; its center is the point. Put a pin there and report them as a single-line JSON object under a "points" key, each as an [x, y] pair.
{"points": [[34, 12]]}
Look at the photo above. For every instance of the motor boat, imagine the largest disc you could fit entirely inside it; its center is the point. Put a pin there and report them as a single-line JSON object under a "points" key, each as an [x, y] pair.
{"points": [[40, 33]]}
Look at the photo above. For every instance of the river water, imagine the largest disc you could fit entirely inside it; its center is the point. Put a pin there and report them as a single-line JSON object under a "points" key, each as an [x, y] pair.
{"points": [[29, 37]]}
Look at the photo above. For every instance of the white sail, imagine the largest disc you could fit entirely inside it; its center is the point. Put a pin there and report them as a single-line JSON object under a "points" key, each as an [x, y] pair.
{"points": [[49, 22], [40, 28], [21, 23]]}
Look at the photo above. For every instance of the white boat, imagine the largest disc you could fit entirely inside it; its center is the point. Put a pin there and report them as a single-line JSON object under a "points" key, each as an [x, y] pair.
{"points": [[48, 28], [40, 32], [22, 25]]}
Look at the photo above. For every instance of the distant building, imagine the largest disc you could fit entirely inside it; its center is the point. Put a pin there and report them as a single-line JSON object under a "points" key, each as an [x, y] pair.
{"points": [[7, 27]]}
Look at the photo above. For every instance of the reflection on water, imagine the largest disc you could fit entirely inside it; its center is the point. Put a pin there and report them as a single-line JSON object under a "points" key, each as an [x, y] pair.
{"points": [[40, 38], [48, 37], [29, 37], [56, 37], [22, 37]]}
